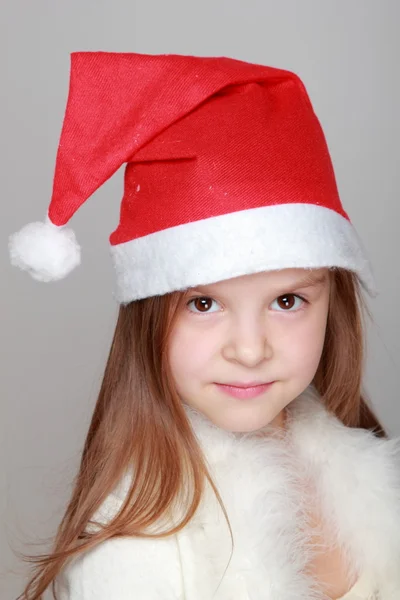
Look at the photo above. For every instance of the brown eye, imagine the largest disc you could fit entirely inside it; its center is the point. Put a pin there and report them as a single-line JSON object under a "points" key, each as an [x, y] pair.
{"points": [[287, 301], [202, 304]]}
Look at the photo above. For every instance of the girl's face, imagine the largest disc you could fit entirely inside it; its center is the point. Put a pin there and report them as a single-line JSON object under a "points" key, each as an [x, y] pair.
{"points": [[262, 327]]}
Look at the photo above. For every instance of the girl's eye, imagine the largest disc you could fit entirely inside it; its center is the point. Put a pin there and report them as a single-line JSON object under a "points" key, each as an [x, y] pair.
{"points": [[286, 301], [202, 304]]}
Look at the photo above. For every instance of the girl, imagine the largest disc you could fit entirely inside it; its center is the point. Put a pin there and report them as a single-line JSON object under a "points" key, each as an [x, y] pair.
{"points": [[232, 453]]}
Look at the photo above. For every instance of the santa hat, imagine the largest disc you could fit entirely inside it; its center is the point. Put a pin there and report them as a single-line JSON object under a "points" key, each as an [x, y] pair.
{"points": [[228, 173]]}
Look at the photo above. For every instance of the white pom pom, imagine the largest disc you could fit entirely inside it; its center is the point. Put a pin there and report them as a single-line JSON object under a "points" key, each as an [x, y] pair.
{"points": [[46, 251]]}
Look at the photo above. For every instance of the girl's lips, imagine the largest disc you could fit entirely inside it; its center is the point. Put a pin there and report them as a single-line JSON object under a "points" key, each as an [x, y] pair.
{"points": [[248, 392]]}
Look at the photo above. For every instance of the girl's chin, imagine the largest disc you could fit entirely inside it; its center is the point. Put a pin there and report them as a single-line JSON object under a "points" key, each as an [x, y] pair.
{"points": [[243, 426]]}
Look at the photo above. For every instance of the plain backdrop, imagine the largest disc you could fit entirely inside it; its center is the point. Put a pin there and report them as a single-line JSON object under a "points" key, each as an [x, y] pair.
{"points": [[55, 337]]}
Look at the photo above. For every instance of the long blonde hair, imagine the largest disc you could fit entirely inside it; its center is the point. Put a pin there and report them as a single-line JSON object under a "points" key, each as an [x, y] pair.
{"points": [[139, 419]]}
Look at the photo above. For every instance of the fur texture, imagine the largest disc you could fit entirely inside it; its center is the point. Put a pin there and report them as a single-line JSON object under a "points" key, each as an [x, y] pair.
{"points": [[258, 239], [261, 481]]}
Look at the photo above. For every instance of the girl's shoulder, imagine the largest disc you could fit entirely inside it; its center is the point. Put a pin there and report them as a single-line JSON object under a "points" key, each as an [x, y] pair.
{"points": [[122, 567]]}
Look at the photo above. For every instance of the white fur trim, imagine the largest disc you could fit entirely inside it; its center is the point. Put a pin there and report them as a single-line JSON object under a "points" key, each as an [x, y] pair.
{"points": [[46, 251], [238, 243], [261, 482]]}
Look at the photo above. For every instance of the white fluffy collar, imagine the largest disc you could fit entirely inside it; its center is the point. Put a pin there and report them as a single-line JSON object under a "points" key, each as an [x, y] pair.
{"points": [[357, 480]]}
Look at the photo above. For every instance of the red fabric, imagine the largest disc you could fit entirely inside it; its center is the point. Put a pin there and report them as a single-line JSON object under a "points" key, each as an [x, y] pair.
{"points": [[202, 137]]}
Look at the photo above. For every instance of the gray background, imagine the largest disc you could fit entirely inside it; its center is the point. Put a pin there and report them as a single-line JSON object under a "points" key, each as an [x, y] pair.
{"points": [[55, 337]]}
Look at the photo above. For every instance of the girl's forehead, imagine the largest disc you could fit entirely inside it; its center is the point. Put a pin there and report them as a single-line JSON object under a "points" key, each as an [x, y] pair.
{"points": [[293, 277]]}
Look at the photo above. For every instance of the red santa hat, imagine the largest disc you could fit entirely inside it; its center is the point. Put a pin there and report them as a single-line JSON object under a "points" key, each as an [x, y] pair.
{"points": [[227, 173]]}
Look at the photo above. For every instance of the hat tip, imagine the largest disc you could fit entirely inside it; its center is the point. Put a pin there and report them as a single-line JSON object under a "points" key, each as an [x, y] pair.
{"points": [[47, 252]]}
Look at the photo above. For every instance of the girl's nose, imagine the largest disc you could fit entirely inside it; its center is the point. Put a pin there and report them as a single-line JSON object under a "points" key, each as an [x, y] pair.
{"points": [[248, 345]]}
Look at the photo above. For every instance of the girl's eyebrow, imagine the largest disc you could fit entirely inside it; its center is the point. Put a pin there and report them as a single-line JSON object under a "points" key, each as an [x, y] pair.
{"points": [[305, 282], [310, 281]]}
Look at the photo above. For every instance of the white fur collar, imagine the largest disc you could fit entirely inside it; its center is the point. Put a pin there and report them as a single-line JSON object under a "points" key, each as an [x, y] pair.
{"points": [[357, 478]]}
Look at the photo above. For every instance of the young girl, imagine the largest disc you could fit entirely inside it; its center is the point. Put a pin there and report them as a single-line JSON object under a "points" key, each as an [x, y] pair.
{"points": [[232, 454]]}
